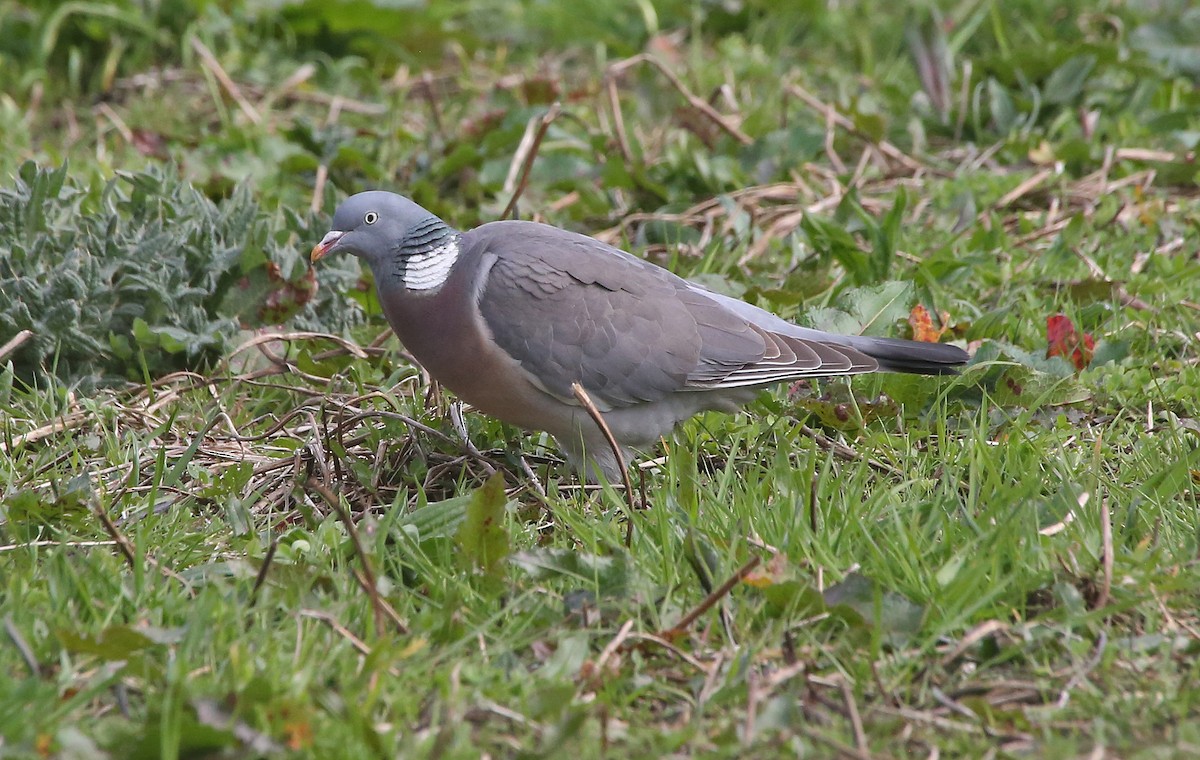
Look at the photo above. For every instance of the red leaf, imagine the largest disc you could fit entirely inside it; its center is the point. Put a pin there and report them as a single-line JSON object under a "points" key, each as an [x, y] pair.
{"points": [[1063, 340]]}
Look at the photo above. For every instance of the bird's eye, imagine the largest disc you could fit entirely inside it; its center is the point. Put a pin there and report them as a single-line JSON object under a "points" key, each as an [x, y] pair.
{"points": [[371, 217]]}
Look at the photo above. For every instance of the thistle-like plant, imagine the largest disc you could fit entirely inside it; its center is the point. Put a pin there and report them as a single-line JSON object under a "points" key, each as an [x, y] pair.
{"points": [[143, 273]]}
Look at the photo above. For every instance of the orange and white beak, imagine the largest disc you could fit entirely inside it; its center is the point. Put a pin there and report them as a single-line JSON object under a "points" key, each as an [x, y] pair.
{"points": [[327, 242]]}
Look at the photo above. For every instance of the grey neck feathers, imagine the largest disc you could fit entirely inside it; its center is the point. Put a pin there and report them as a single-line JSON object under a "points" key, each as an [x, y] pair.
{"points": [[424, 257]]}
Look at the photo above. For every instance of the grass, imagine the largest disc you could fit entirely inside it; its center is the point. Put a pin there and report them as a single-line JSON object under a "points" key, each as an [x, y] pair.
{"points": [[282, 550]]}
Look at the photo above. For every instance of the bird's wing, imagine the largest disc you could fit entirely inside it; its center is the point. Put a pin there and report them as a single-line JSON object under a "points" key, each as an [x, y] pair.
{"points": [[571, 309]]}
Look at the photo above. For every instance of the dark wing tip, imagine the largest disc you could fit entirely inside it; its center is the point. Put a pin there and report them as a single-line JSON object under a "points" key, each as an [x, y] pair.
{"points": [[914, 357]]}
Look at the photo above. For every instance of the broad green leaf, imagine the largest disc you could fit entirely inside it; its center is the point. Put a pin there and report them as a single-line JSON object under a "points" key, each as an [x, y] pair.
{"points": [[1109, 351], [1018, 378], [118, 642], [441, 519], [195, 739], [833, 240], [897, 617], [1175, 42], [793, 597], [482, 535], [866, 311], [609, 575], [1000, 105], [991, 324], [1066, 83]]}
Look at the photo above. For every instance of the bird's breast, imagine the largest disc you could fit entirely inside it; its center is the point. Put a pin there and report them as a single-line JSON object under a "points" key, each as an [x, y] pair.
{"points": [[444, 332]]}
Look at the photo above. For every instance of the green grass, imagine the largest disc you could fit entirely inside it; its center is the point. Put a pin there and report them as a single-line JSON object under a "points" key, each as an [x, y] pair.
{"points": [[999, 564]]}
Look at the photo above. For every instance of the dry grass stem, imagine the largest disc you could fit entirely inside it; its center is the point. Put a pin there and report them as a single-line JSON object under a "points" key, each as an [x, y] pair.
{"points": [[525, 155], [15, 342], [231, 88], [366, 573], [717, 594], [586, 402], [724, 123]]}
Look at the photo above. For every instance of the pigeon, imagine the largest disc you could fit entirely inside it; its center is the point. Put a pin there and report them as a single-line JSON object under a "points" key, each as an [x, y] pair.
{"points": [[512, 314]]}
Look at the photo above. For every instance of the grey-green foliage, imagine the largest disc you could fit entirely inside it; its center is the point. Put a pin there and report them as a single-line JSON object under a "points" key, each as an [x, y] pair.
{"points": [[144, 267]]}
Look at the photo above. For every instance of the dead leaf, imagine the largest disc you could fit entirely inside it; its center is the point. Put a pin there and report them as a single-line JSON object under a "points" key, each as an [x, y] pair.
{"points": [[922, 324], [1063, 340]]}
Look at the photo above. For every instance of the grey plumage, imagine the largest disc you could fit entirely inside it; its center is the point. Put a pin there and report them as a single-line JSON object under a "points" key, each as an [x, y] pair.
{"points": [[510, 314]]}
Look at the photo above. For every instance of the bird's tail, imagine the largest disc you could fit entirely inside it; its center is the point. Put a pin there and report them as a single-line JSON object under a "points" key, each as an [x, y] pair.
{"points": [[893, 354], [911, 356]]}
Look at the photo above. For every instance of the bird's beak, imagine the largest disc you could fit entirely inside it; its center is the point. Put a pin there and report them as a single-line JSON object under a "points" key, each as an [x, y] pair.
{"points": [[327, 242]]}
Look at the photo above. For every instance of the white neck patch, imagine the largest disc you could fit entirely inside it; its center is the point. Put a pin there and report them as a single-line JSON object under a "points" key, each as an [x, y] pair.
{"points": [[430, 269]]}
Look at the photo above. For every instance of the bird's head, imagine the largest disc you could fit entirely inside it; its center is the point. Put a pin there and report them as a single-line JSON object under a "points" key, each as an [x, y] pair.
{"points": [[404, 244], [371, 225]]}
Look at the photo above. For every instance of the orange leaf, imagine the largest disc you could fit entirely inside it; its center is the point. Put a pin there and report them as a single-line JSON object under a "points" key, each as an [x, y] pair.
{"points": [[922, 325], [299, 734], [774, 571]]}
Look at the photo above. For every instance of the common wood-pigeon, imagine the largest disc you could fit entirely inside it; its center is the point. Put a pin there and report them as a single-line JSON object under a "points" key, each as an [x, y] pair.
{"points": [[510, 314]]}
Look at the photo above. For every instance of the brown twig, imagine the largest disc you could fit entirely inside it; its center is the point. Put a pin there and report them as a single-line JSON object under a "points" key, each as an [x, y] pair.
{"points": [[15, 342], [972, 637], [261, 578], [617, 642], [324, 99], [753, 694], [388, 610], [359, 645], [614, 104], [586, 401], [1150, 154], [318, 194], [66, 422], [713, 598], [118, 123], [365, 578], [341, 630], [835, 160], [122, 543], [127, 548], [214, 67], [426, 90], [1021, 190], [44, 542], [659, 641], [1106, 548], [842, 451], [26, 651], [841, 749], [885, 147], [860, 736], [696, 102], [526, 154], [298, 77]]}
